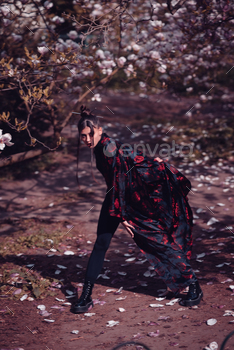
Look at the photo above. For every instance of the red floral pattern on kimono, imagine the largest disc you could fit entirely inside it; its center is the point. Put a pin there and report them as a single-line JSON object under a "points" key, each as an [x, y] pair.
{"points": [[152, 197]]}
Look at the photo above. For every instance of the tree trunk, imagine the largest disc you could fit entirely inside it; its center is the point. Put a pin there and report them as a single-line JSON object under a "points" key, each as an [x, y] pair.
{"points": [[19, 157]]}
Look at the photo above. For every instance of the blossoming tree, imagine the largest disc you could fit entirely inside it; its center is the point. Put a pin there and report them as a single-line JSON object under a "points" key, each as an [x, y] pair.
{"points": [[53, 56]]}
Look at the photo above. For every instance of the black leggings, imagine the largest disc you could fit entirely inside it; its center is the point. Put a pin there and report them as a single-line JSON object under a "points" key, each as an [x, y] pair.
{"points": [[107, 225]]}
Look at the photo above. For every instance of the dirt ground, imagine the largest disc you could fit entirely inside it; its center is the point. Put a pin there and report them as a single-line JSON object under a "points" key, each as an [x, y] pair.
{"points": [[47, 203]]}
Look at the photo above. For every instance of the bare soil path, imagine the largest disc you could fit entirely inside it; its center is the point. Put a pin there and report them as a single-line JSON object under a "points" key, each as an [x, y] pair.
{"points": [[48, 203]]}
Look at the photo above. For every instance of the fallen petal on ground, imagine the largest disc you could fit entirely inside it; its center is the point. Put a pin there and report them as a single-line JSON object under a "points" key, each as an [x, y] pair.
{"points": [[89, 314], [153, 334], [41, 307], [24, 297], [112, 323], [211, 322], [59, 299], [172, 302], [68, 252], [212, 221], [156, 305], [120, 309], [138, 336], [62, 267]]}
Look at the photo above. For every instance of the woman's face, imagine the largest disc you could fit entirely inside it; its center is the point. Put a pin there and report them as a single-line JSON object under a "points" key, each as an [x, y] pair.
{"points": [[86, 137]]}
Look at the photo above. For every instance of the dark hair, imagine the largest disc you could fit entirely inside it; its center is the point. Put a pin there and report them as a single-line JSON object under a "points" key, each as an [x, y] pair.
{"points": [[92, 121]]}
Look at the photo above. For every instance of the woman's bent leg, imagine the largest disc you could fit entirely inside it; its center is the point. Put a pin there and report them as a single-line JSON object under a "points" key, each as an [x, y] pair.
{"points": [[97, 256], [107, 226]]}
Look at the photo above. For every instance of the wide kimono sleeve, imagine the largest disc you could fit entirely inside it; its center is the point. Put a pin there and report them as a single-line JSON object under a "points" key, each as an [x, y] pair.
{"points": [[181, 187], [118, 185], [141, 189], [179, 181], [127, 190], [163, 186]]}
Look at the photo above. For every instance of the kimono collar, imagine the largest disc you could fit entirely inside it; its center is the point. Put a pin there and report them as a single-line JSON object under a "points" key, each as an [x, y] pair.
{"points": [[103, 141]]}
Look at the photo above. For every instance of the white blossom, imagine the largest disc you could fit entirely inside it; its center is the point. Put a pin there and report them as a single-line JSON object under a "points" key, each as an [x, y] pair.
{"points": [[98, 10], [98, 6], [141, 63], [225, 97], [5, 10], [162, 68], [160, 36], [100, 65], [6, 22], [203, 97], [183, 47], [73, 34], [108, 55], [5, 140], [109, 71], [190, 57], [108, 63], [164, 76], [132, 57], [156, 7], [61, 59], [58, 19], [168, 15], [11, 73], [72, 44], [121, 60], [87, 73], [100, 54], [16, 37], [48, 4], [42, 49], [35, 59], [20, 60], [129, 47], [142, 84], [144, 34], [129, 70], [96, 97], [197, 105], [60, 45], [136, 47], [186, 79], [189, 89], [155, 55], [156, 23], [73, 71]]}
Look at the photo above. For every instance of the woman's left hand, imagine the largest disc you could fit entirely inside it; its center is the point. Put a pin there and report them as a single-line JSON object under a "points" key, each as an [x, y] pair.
{"points": [[127, 226], [160, 160]]}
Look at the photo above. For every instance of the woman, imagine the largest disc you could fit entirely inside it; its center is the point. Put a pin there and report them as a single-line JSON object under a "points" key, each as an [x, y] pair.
{"points": [[149, 197]]}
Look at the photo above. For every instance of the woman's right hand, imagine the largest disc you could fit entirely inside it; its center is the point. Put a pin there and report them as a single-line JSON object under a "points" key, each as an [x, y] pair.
{"points": [[160, 160], [128, 228]]}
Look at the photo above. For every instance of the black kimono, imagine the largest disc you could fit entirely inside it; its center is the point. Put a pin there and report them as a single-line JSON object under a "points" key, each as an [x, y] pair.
{"points": [[152, 197]]}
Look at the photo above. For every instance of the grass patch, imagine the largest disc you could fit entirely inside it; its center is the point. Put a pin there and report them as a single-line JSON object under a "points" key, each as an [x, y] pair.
{"points": [[24, 280], [45, 235], [18, 277], [24, 242]]}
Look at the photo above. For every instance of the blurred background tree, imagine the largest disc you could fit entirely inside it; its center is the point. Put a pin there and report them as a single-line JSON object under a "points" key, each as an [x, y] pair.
{"points": [[54, 52]]}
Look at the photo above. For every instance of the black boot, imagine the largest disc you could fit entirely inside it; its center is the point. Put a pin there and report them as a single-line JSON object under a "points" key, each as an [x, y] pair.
{"points": [[85, 300], [193, 296]]}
